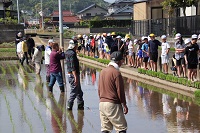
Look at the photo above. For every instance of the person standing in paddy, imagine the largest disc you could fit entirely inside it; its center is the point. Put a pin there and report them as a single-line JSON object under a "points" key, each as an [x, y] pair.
{"points": [[55, 70], [165, 53], [153, 51], [112, 104], [191, 58], [74, 76], [47, 53]]}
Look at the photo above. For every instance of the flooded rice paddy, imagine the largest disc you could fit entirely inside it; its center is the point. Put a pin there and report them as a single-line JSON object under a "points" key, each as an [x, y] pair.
{"points": [[26, 106]]}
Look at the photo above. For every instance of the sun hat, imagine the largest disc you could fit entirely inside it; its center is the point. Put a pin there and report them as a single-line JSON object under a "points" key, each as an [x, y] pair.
{"points": [[188, 40], [152, 35], [118, 37], [194, 36], [135, 41], [199, 36], [72, 44], [113, 34], [144, 37], [50, 41], [163, 37], [116, 56], [128, 36], [177, 36]]}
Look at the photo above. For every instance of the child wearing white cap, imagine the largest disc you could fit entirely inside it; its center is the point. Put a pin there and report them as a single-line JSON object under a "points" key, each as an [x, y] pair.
{"points": [[191, 58], [165, 53]]}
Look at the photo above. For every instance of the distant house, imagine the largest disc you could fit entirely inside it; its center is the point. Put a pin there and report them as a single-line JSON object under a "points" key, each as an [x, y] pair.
{"points": [[92, 11], [69, 19], [4, 6], [32, 22], [120, 10]]}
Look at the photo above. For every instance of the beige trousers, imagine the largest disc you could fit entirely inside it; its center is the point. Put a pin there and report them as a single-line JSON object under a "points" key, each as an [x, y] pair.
{"points": [[112, 115]]}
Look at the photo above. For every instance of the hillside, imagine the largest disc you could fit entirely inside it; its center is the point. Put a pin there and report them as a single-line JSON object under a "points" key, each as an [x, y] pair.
{"points": [[50, 5]]}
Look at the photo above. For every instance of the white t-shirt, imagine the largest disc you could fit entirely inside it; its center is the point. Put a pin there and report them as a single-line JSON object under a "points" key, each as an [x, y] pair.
{"points": [[165, 46], [19, 47], [47, 53]]}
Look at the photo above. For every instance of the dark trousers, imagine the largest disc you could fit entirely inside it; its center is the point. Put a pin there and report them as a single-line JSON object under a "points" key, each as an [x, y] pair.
{"points": [[30, 52], [76, 91], [25, 56]]}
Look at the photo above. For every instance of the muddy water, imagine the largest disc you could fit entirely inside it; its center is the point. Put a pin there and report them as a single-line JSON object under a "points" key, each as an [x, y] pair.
{"points": [[25, 106]]}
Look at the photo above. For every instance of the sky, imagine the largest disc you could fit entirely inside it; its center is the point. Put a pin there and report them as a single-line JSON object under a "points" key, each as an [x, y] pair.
{"points": [[110, 1]]}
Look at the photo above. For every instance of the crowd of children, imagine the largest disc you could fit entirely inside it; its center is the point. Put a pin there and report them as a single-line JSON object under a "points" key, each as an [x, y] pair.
{"points": [[143, 52]]}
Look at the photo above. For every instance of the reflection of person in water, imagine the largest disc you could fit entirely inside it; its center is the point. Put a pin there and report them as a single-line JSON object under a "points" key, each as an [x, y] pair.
{"points": [[165, 102], [39, 88], [58, 117], [77, 126], [22, 77]]}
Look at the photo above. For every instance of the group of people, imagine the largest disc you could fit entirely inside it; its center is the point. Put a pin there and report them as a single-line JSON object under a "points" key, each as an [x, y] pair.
{"points": [[144, 52]]}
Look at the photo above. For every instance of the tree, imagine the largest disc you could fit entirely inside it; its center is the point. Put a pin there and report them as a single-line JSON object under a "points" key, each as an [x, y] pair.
{"points": [[170, 5]]}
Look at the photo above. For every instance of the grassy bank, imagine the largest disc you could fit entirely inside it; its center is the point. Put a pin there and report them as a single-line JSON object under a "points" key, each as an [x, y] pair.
{"points": [[104, 61]]}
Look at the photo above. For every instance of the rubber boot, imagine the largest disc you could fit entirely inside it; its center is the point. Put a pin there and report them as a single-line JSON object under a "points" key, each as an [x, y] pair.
{"points": [[69, 106], [81, 106], [50, 89], [105, 132], [62, 89], [48, 79]]}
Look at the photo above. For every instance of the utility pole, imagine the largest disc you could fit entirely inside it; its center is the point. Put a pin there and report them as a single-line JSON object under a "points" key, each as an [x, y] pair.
{"points": [[61, 35], [18, 12], [42, 16]]}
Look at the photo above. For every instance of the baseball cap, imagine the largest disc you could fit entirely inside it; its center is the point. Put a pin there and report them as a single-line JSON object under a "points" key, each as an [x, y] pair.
{"points": [[116, 56], [108, 34], [71, 44], [194, 36], [163, 37], [187, 40], [118, 37], [50, 41], [177, 36], [151, 35], [135, 41]]}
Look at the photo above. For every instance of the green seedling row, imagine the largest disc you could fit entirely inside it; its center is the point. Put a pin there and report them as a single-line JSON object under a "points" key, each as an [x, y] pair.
{"points": [[52, 111]]}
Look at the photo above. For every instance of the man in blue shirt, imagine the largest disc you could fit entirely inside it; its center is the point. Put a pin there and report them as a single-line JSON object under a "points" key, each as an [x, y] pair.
{"points": [[153, 51]]}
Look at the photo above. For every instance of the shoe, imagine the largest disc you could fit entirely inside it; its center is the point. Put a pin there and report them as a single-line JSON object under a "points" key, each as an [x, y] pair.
{"points": [[69, 106], [62, 89], [81, 106], [50, 89]]}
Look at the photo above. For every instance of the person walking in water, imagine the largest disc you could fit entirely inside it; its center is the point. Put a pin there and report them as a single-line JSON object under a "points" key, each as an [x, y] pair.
{"points": [[74, 76], [47, 53], [56, 55], [112, 104]]}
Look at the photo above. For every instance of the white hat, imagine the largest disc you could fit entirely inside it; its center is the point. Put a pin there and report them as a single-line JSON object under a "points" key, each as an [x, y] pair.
{"points": [[187, 40], [71, 44], [108, 34], [163, 37], [144, 37], [135, 41], [50, 41], [118, 37], [194, 36], [178, 36]]}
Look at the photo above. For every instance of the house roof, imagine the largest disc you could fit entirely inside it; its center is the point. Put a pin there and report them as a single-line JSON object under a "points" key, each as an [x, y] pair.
{"points": [[122, 1], [89, 7], [65, 13], [125, 9], [139, 1], [70, 19]]}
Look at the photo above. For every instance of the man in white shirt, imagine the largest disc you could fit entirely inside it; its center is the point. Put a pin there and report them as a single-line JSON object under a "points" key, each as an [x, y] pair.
{"points": [[165, 53], [47, 52]]}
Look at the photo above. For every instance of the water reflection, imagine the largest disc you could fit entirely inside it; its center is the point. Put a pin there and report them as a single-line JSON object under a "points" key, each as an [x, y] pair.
{"points": [[77, 126], [172, 114], [39, 89], [22, 77], [58, 115]]}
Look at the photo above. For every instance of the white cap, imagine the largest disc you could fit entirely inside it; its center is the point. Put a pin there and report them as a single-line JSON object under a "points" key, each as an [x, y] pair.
{"points": [[144, 37], [163, 37], [108, 34], [178, 36], [118, 37], [50, 41], [194, 36], [135, 41], [187, 40], [71, 44]]}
